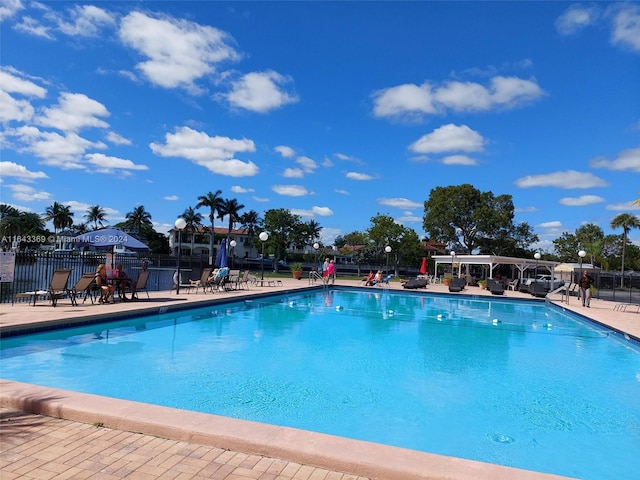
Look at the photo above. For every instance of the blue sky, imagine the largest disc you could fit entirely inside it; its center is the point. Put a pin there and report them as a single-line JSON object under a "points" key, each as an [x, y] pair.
{"points": [[335, 110]]}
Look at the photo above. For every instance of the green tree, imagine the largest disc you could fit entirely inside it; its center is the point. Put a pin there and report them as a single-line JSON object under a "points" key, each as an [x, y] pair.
{"points": [[280, 224], [137, 218], [383, 232], [250, 221], [591, 237], [193, 220], [60, 215], [97, 215], [231, 208], [462, 215], [626, 221], [510, 242], [353, 238], [213, 201]]}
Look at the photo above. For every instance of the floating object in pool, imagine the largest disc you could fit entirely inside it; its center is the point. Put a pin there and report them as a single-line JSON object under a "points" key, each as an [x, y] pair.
{"points": [[439, 316], [390, 312], [291, 304], [548, 325], [338, 308], [495, 321], [501, 438]]}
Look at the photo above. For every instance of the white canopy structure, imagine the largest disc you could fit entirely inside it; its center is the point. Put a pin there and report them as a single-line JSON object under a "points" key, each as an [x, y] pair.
{"points": [[492, 261]]}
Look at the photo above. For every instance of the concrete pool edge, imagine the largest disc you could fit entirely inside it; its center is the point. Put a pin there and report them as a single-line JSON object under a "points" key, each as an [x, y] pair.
{"points": [[310, 448]]}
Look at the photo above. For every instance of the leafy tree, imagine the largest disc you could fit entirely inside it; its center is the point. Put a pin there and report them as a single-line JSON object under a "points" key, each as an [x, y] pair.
{"points": [[213, 201], [280, 224], [61, 216], [14, 222], [462, 215], [626, 221], [566, 247], [512, 242], [591, 237], [250, 221], [305, 233], [136, 219], [97, 215], [193, 220], [231, 208], [353, 238]]}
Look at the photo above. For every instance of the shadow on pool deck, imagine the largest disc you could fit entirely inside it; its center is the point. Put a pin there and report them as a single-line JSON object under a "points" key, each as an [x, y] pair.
{"points": [[49, 433]]}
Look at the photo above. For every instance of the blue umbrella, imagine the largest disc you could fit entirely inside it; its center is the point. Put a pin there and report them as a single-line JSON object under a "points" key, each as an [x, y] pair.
{"points": [[221, 257], [109, 237]]}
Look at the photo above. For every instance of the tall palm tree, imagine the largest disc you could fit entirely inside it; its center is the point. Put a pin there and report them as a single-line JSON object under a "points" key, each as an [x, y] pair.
{"points": [[231, 207], [61, 216], [193, 220], [250, 221], [96, 214], [214, 202], [627, 221], [136, 219], [314, 229]]}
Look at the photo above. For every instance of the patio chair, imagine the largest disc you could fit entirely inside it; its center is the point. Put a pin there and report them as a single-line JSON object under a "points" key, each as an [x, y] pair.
{"points": [[495, 287], [385, 281], [415, 283], [513, 285], [219, 281], [141, 283], [243, 281], [204, 278], [58, 287], [457, 284], [86, 286]]}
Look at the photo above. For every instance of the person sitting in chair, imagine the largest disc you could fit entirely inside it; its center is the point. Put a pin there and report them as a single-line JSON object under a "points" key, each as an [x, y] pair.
{"points": [[106, 289], [123, 282]]}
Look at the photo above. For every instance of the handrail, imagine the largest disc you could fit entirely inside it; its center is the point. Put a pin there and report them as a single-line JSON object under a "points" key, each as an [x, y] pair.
{"points": [[563, 290], [313, 277]]}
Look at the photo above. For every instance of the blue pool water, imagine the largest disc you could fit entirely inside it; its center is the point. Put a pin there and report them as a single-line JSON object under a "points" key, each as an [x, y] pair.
{"points": [[513, 383]]}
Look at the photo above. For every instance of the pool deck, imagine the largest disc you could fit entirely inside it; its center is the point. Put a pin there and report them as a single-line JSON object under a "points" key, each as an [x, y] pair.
{"points": [[50, 433]]}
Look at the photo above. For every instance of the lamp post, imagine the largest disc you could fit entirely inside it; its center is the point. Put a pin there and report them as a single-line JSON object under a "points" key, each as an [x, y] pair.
{"points": [[537, 257], [453, 257], [387, 249], [180, 223], [581, 254], [264, 236], [233, 244], [316, 246]]}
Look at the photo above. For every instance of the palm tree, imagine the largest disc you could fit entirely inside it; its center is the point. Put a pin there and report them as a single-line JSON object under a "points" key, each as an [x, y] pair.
{"points": [[137, 218], [95, 214], [193, 220], [636, 202], [231, 207], [627, 221], [250, 221], [214, 202], [61, 216]]}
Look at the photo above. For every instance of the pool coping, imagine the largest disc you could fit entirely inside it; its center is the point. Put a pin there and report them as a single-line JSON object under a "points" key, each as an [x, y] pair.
{"points": [[325, 451]]}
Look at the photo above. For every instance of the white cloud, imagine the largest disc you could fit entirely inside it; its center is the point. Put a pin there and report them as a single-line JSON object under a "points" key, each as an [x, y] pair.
{"points": [[308, 165], [86, 21], [290, 190], [399, 203], [286, 152], [213, 153], [12, 83], [459, 160], [567, 179], [74, 112], [8, 8], [575, 18], [626, 160], [293, 173], [26, 193], [581, 200], [10, 169], [107, 164], [260, 199], [31, 26], [553, 224], [260, 92], [179, 52], [621, 207], [238, 189], [171, 198], [626, 26], [412, 101], [117, 139], [449, 138], [319, 211], [359, 176]]}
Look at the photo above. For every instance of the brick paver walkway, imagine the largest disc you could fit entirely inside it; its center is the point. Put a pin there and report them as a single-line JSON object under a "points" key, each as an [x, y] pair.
{"points": [[38, 447]]}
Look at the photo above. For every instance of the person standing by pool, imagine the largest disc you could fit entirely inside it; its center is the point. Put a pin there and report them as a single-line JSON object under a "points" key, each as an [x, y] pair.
{"points": [[331, 272], [325, 270], [585, 283]]}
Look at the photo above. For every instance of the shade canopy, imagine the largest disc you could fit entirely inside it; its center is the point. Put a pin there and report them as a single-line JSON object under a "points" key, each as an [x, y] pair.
{"points": [[221, 257], [423, 266], [110, 237]]}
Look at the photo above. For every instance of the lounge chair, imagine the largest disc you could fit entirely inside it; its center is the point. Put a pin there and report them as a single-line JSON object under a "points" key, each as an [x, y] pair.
{"points": [[495, 287], [204, 278], [415, 283], [538, 289], [457, 284], [219, 281], [385, 281], [513, 285], [57, 289], [86, 286], [141, 283], [243, 280]]}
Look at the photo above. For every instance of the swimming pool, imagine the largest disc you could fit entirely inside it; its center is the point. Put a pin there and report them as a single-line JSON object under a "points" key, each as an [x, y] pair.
{"points": [[509, 382]]}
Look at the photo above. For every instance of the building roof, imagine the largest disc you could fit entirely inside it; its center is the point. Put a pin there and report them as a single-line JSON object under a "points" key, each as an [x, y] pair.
{"points": [[493, 261]]}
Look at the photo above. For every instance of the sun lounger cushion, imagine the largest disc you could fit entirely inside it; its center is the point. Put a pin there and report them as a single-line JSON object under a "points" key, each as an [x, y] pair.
{"points": [[416, 283]]}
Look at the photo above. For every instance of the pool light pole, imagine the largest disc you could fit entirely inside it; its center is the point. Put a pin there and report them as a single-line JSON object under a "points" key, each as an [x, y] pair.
{"points": [[453, 257], [180, 223], [537, 257], [316, 246], [581, 254], [387, 249], [264, 236], [232, 244]]}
